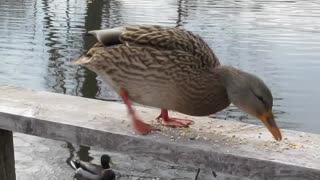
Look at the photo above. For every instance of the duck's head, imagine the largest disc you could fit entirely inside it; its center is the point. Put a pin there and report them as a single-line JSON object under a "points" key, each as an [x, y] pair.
{"points": [[105, 161], [250, 94]]}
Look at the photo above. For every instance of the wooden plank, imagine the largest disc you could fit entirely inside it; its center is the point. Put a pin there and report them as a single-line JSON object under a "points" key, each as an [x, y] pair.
{"points": [[7, 167], [226, 147]]}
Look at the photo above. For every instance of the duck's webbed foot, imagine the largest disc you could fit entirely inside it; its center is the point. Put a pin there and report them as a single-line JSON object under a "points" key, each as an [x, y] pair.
{"points": [[165, 120], [139, 126]]}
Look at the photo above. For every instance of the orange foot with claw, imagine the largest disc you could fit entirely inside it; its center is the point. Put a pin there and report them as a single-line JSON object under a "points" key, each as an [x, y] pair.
{"points": [[172, 122]]}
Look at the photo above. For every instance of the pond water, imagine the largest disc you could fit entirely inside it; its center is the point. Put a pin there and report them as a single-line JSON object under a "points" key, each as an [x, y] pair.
{"points": [[278, 40]]}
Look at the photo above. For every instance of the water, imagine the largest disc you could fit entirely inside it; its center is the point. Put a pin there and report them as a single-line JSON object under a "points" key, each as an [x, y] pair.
{"points": [[277, 40]]}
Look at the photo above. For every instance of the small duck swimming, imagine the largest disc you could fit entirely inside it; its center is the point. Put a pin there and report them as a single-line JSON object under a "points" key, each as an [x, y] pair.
{"points": [[88, 171]]}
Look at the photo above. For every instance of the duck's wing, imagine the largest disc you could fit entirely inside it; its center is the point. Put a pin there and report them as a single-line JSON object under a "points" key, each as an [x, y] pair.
{"points": [[84, 174], [91, 168], [108, 174], [160, 38]]}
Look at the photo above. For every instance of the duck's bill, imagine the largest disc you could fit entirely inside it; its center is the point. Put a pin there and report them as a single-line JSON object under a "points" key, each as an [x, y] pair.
{"points": [[269, 121]]}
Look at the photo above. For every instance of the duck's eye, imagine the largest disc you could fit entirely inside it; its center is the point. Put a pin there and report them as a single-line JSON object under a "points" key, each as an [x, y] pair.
{"points": [[260, 98]]}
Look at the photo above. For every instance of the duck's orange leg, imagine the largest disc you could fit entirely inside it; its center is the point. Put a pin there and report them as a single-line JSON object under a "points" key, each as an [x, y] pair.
{"points": [[174, 122], [139, 126]]}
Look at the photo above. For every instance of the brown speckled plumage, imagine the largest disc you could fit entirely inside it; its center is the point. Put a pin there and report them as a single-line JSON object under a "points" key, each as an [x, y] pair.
{"points": [[172, 68], [162, 67]]}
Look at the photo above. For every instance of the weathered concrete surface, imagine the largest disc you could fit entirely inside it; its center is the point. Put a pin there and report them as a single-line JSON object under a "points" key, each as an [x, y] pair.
{"points": [[226, 147], [7, 169], [46, 159], [41, 159]]}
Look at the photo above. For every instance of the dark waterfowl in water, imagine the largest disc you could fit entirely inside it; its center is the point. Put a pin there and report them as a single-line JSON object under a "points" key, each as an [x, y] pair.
{"points": [[89, 171]]}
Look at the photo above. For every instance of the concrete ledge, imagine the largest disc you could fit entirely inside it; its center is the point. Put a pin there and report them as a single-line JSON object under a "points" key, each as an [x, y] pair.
{"points": [[226, 147]]}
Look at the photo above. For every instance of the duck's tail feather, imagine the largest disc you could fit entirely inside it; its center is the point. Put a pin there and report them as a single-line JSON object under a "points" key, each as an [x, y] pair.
{"points": [[108, 37], [82, 60], [75, 164]]}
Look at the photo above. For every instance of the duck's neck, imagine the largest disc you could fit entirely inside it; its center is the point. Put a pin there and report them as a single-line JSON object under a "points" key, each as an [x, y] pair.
{"points": [[105, 166], [228, 74], [233, 79]]}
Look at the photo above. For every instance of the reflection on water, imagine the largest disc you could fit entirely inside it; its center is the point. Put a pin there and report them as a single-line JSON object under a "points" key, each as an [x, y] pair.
{"points": [[277, 40]]}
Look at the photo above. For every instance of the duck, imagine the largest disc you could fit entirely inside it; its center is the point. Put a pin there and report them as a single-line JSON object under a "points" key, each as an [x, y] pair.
{"points": [[174, 69], [89, 171]]}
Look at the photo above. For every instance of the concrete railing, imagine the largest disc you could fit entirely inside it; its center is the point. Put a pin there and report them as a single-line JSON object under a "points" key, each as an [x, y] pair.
{"points": [[225, 147]]}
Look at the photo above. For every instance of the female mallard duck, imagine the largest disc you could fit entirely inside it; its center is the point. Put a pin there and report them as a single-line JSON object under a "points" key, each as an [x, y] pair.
{"points": [[174, 69], [88, 171]]}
